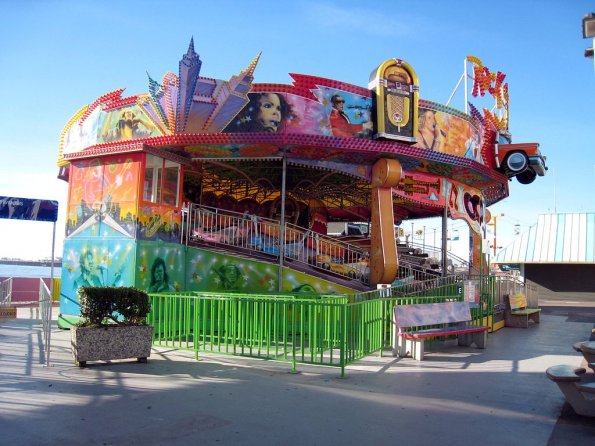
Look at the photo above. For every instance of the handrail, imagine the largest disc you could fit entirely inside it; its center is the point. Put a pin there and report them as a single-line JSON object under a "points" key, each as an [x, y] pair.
{"points": [[509, 284], [454, 263], [6, 292], [412, 288], [255, 234], [414, 271], [260, 235], [45, 311]]}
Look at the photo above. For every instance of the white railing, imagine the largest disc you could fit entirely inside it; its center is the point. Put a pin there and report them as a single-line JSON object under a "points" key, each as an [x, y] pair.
{"points": [[45, 313], [454, 264], [532, 293], [338, 255], [413, 271], [510, 284], [261, 235], [6, 292], [409, 287]]}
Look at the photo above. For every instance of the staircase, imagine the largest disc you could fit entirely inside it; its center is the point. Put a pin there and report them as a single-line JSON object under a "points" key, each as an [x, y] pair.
{"points": [[341, 259], [260, 237]]}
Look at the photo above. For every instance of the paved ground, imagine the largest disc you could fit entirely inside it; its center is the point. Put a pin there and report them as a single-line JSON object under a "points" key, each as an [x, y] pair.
{"points": [[456, 396]]}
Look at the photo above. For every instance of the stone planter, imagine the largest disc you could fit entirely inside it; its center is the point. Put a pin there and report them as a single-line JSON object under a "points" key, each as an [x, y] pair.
{"points": [[110, 342]]}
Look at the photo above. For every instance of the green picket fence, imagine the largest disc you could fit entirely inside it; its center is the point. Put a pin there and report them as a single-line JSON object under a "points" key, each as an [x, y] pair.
{"points": [[285, 328], [328, 330]]}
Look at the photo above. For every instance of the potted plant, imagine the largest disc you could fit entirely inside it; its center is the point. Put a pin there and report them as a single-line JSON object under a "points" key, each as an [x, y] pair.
{"points": [[113, 325]]}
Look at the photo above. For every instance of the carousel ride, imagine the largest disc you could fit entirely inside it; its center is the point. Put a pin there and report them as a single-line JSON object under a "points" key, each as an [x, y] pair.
{"points": [[203, 184]]}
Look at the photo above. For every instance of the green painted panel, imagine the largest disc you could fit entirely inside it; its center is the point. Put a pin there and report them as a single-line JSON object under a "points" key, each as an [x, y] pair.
{"points": [[160, 267], [210, 271]]}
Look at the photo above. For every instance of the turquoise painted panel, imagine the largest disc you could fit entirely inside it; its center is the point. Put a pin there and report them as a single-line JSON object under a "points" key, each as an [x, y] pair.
{"points": [[94, 262]]}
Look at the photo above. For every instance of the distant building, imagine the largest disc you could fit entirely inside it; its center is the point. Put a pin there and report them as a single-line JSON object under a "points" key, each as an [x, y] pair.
{"points": [[557, 253]]}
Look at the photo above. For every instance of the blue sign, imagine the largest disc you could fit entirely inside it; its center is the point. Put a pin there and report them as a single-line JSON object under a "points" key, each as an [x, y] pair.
{"points": [[16, 208]]}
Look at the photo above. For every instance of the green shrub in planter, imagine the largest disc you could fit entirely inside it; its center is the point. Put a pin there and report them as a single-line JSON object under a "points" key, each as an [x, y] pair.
{"points": [[113, 305], [113, 325]]}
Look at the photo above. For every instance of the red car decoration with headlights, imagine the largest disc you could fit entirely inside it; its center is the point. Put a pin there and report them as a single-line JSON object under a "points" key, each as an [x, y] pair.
{"points": [[523, 161]]}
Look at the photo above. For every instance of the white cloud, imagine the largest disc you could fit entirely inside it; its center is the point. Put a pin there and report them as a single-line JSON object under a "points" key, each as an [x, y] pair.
{"points": [[32, 240], [350, 19]]}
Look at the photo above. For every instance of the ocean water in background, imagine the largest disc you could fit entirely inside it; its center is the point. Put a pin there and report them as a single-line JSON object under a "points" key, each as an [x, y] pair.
{"points": [[28, 271]]}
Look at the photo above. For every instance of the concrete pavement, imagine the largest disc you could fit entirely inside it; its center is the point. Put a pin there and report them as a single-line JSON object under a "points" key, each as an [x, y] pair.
{"points": [[456, 396]]}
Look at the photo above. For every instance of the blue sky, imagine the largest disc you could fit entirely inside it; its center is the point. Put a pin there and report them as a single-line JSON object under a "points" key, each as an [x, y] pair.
{"points": [[56, 56]]}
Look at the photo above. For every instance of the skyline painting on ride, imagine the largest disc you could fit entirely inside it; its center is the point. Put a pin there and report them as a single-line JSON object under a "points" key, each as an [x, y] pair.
{"points": [[127, 159]]}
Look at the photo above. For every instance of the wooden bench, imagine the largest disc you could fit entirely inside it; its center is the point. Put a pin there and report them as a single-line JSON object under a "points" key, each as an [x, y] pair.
{"points": [[411, 342], [516, 313], [578, 388]]}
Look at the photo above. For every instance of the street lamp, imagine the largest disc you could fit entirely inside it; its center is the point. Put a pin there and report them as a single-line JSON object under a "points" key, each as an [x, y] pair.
{"points": [[495, 219], [589, 33]]}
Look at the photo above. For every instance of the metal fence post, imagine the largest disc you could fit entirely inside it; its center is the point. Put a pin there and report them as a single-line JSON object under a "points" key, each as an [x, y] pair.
{"points": [[343, 342], [293, 336]]}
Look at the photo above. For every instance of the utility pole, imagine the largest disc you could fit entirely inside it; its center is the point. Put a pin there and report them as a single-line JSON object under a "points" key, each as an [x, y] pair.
{"points": [[495, 218]]}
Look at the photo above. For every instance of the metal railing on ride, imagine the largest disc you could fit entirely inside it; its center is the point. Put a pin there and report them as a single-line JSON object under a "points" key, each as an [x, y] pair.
{"points": [[6, 292], [454, 263], [327, 330], [254, 234], [342, 256], [413, 271], [436, 287]]}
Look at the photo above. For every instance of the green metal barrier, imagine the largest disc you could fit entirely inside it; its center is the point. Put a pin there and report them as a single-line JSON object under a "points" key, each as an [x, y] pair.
{"points": [[328, 330], [284, 328]]}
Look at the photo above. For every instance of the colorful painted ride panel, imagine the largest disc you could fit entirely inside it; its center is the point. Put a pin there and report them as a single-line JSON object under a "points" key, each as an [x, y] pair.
{"points": [[454, 134], [465, 203], [103, 197], [158, 222], [421, 188], [189, 104], [296, 115]]}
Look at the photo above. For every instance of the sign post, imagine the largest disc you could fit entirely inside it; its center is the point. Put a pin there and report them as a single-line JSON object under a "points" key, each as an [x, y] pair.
{"points": [[16, 208]]}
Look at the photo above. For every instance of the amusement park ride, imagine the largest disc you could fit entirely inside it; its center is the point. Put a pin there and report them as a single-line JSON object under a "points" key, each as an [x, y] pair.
{"points": [[202, 184]]}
